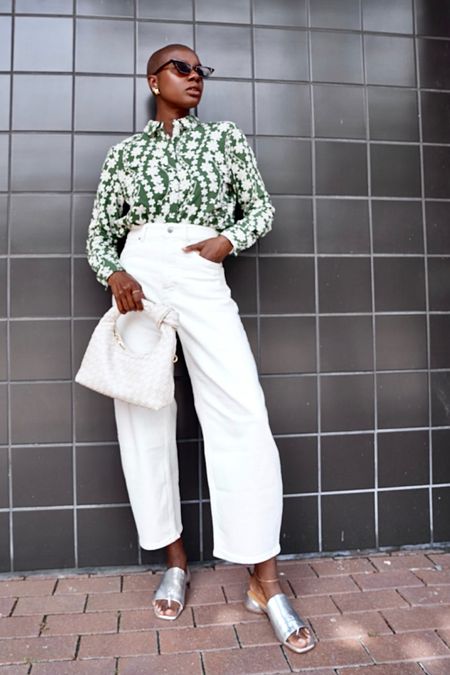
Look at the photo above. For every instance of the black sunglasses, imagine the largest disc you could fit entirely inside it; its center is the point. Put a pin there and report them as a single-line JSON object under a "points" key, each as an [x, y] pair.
{"points": [[186, 68]]}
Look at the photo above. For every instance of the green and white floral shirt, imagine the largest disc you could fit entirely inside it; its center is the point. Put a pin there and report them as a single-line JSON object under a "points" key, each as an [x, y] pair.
{"points": [[196, 176]]}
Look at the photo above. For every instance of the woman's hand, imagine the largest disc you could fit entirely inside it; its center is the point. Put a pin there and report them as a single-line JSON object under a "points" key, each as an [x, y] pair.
{"points": [[127, 291], [214, 248]]}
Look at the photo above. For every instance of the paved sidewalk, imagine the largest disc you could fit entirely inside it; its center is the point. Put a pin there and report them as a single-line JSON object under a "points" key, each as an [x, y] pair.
{"points": [[383, 614]]}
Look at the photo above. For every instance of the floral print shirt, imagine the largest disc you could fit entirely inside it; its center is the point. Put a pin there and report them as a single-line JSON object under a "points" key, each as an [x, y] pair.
{"points": [[196, 176]]}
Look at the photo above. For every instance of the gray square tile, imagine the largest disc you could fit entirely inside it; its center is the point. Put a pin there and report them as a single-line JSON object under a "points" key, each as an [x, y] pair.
{"points": [[90, 297], [82, 331], [89, 154], [337, 57], [82, 211], [3, 351], [4, 161], [94, 416], [387, 16], [342, 226], [225, 48], [43, 464], [40, 223], [5, 42], [339, 111], [288, 345], [44, 6], [100, 478], [292, 228], [44, 539], [381, 52], [3, 287], [93, 46], [40, 287], [3, 224], [4, 478], [41, 162], [145, 103], [104, 104], [52, 102], [281, 54], [41, 412], [5, 86], [331, 14], [169, 9], [40, 350], [296, 117], [149, 34], [341, 168], [282, 13], [285, 165], [3, 414], [233, 11], [291, 403], [5, 5], [222, 100], [107, 537], [108, 8], [43, 43]]}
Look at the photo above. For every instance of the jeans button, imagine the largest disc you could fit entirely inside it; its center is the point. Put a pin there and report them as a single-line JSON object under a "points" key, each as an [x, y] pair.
{"points": [[170, 228]]}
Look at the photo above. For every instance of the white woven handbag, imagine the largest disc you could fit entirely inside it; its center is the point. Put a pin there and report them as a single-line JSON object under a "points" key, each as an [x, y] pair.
{"points": [[111, 368]]}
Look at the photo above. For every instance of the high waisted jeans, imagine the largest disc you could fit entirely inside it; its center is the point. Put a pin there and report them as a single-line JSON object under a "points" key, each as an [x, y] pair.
{"points": [[241, 457]]}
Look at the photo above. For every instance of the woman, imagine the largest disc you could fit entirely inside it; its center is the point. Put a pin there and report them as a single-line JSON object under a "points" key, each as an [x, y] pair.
{"points": [[181, 178]]}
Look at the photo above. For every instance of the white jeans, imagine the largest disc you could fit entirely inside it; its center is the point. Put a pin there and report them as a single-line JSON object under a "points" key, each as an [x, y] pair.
{"points": [[241, 456]]}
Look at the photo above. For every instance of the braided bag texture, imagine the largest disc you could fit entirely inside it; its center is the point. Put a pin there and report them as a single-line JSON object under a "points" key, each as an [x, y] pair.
{"points": [[111, 368]]}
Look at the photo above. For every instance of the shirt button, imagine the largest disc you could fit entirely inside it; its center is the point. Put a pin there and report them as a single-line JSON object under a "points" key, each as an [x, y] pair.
{"points": [[170, 228]]}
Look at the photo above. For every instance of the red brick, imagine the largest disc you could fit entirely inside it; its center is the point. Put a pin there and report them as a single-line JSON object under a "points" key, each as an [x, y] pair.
{"points": [[233, 612], [297, 570], [313, 605], [223, 574], [361, 602], [245, 661], [82, 667], [434, 577], [329, 654], [27, 587], [14, 670], [389, 579], [235, 592], [169, 664], [144, 581], [20, 626], [91, 585], [438, 667], [194, 639], [205, 595], [398, 562], [385, 669], [418, 618], [324, 585], [6, 605], [442, 559], [351, 625], [16, 650], [256, 633], [77, 624], [115, 601], [121, 644], [342, 566], [145, 619], [445, 635], [427, 595], [413, 646], [50, 604]]}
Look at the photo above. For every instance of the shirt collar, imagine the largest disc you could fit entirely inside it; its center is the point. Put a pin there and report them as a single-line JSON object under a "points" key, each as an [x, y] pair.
{"points": [[186, 122]]}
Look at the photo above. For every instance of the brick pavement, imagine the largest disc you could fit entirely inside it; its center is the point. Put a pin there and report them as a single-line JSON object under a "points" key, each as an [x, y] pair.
{"points": [[382, 614]]}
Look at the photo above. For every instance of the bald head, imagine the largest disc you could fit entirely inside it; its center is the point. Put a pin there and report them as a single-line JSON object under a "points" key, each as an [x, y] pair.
{"points": [[172, 51]]}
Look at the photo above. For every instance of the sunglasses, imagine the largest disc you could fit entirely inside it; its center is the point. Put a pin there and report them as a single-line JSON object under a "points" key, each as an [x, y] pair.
{"points": [[186, 68]]}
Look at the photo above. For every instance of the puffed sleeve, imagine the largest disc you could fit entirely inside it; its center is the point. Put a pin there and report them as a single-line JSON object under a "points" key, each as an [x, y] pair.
{"points": [[250, 191], [103, 231]]}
